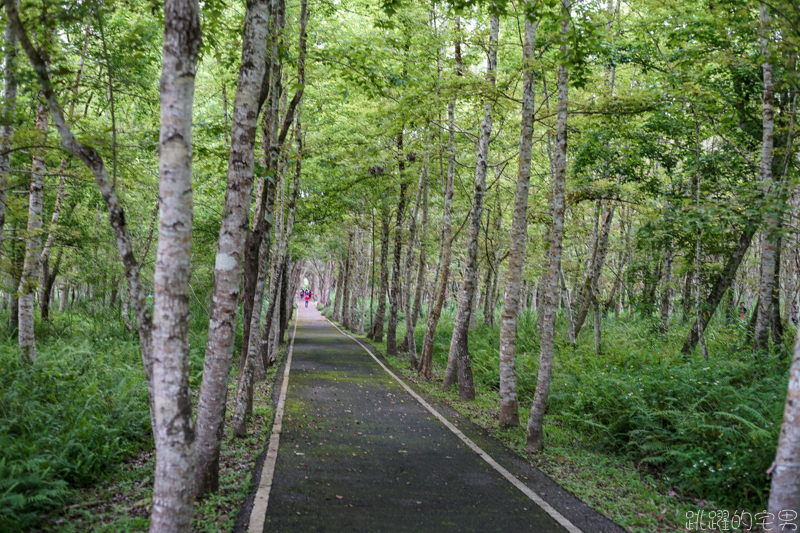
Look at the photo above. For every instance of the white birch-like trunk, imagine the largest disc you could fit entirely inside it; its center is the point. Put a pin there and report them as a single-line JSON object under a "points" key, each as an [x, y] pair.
{"points": [[509, 403], [28, 282], [768, 251], [230, 248], [459, 342], [9, 108], [535, 430], [173, 492], [362, 318]]}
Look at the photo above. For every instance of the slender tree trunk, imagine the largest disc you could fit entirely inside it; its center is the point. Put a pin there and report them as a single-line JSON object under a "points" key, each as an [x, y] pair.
{"points": [[666, 288], [337, 298], [230, 249], [509, 402], [459, 343], [597, 324], [173, 493], [364, 289], [33, 239], [7, 120], [784, 495], [435, 310], [765, 285], [48, 281], [423, 257], [344, 313], [596, 269], [776, 325], [394, 297], [355, 283], [377, 324], [408, 338], [535, 430]]}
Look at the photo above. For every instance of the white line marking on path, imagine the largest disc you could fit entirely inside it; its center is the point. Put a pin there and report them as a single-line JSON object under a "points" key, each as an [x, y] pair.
{"points": [[558, 517], [258, 514]]}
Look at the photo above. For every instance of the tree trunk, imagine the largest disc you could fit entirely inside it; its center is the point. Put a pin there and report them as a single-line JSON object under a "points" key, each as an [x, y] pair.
{"points": [[785, 489], [376, 332], [7, 120], [364, 288], [509, 403], [48, 281], [775, 320], [765, 285], [435, 310], [355, 283], [337, 297], [423, 257], [30, 269], [394, 297], [173, 493], [408, 338], [596, 269], [535, 431], [666, 288], [230, 249], [344, 312], [459, 343]]}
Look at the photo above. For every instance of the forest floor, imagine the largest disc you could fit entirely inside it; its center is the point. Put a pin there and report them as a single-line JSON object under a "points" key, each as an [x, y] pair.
{"points": [[358, 452], [119, 500]]}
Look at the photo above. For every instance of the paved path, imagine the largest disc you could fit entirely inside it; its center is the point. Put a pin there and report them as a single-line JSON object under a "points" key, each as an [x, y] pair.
{"points": [[359, 453]]}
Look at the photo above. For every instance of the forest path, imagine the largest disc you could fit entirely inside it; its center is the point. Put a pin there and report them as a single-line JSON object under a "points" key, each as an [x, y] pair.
{"points": [[358, 452]]}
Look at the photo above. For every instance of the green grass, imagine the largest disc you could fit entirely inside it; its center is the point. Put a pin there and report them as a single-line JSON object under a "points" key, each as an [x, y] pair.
{"points": [[640, 432], [77, 448]]}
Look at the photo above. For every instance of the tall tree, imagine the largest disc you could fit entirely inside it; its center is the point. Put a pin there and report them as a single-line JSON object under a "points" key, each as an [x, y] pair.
{"points": [[535, 432], [509, 403], [173, 492], [445, 249], [230, 248], [459, 343], [768, 251]]}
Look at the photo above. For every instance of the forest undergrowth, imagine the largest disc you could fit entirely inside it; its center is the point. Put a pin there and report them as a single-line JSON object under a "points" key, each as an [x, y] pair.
{"points": [[640, 432], [77, 447]]}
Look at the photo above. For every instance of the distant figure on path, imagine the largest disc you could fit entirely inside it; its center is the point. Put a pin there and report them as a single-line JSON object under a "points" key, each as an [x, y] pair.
{"points": [[794, 312], [742, 310], [308, 297]]}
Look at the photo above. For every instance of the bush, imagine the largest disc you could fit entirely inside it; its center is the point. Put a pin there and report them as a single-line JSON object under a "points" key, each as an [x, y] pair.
{"points": [[69, 418], [708, 427]]}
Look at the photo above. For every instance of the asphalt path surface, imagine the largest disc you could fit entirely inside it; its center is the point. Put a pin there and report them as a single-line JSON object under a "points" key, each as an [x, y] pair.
{"points": [[359, 453]]}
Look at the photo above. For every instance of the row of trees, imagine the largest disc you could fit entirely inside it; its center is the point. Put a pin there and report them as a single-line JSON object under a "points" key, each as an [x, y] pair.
{"points": [[653, 170], [266, 108], [680, 157]]}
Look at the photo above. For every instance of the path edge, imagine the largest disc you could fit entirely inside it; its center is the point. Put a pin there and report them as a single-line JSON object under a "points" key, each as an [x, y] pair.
{"points": [[546, 507], [242, 523]]}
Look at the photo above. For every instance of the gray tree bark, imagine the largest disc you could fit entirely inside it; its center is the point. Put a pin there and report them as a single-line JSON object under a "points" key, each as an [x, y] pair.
{"points": [[376, 332], [230, 249], [394, 296], [459, 343], [764, 318], [509, 402], [9, 109], [28, 283], [535, 431], [173, 492], [445, 251]]}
